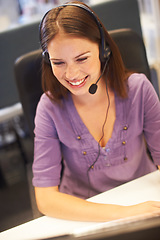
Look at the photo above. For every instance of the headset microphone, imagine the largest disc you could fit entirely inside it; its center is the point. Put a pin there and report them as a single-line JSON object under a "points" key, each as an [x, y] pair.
{"points": [[93, 87]]}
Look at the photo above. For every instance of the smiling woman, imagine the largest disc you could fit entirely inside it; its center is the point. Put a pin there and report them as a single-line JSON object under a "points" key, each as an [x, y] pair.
{"points": [[91, 120], [75, 62]]}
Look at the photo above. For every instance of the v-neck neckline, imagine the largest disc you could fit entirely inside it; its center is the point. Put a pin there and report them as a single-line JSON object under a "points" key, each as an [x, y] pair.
{"points": [[80, 128]]}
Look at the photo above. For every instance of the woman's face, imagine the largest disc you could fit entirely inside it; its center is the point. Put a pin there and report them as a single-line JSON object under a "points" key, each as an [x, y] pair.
{"points": [[75, 62]]}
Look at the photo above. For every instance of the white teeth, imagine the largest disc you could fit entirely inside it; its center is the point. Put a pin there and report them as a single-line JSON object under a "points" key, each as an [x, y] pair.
{"points": [[77, 83]]}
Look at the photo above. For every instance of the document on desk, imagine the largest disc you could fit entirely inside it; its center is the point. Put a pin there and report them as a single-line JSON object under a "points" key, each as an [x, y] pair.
{"points": [[139, 190]]}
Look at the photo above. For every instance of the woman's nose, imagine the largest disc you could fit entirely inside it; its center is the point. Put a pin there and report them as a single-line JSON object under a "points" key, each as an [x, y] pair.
{"points": [[71, 72]]}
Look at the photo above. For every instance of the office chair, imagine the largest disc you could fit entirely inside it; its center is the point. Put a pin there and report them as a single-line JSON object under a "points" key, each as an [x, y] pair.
{"points": [[28, 75]]}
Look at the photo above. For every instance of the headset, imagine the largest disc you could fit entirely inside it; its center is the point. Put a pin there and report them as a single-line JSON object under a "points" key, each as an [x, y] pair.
{"points": [[105, 50]]}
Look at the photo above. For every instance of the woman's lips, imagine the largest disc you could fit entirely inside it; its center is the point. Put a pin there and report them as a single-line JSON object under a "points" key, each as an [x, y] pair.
{"points": [[78, 82]]}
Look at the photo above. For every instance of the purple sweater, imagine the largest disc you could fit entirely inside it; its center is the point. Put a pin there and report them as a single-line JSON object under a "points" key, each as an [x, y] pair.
{"points": [[60, 133]]}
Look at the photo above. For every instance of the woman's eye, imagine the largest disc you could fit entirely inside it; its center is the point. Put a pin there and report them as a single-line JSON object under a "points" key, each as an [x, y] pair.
{"points": [[82, 59], [58, 63]]}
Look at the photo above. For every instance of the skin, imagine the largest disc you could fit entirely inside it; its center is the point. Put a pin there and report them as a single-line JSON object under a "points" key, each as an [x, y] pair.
{"points": [[75, 63]]}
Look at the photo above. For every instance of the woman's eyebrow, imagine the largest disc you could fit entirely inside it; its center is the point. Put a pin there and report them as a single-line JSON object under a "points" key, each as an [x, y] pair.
{"points": [[82, 54]]}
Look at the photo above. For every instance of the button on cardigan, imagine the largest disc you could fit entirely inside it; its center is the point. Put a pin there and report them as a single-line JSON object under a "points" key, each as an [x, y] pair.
{"points": [[65, 151]]}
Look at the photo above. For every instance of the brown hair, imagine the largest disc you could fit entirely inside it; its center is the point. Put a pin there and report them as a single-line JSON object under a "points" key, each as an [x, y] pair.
{"points": [[77, 21]]}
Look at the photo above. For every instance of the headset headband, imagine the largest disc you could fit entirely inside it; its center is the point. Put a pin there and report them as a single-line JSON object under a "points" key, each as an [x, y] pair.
{"points": [[105, 50]]}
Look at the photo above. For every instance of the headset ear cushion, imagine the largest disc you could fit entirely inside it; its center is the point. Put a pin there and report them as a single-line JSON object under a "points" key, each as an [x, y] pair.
{"points": [[45, 56]]}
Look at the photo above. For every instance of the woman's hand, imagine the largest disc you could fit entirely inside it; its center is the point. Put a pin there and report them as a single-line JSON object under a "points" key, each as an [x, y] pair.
{"points": [[151, 208]]}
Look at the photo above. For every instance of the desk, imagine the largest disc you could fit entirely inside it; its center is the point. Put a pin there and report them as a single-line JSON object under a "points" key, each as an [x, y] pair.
{"points": [[136, 191]]}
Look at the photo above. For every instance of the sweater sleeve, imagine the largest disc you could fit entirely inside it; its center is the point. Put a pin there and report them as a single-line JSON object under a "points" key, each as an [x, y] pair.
{"points": [[47, 154], [151, 120]]}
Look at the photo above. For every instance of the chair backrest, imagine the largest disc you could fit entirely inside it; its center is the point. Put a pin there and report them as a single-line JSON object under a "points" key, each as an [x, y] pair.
{"points": [[132, 49], [28, 69], [28, 80]]}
